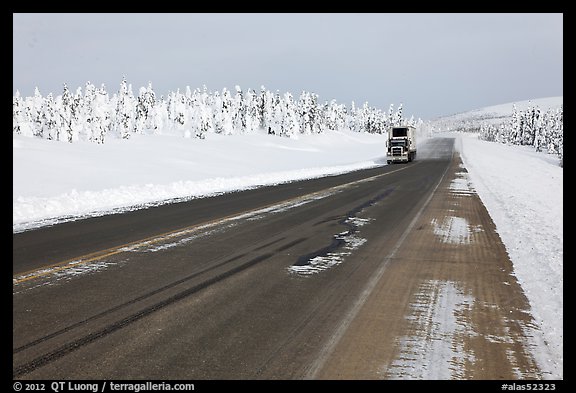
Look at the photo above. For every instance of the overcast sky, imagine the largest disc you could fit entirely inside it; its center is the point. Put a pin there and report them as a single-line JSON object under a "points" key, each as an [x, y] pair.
{"points": [[434, 64]]}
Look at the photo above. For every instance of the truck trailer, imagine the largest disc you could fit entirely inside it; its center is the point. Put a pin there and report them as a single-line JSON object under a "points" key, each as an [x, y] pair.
{"points": [[401, 144]]}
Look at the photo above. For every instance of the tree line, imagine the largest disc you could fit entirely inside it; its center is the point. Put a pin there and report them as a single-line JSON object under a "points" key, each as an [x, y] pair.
{"points": [[93, 115]]}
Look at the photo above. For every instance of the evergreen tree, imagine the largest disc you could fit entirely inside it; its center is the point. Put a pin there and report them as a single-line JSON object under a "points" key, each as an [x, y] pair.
{"points": [[277, 119], [17, 113], [330, 115], [226, 111], [51, 123], [102, 115], [252, 111], [303, 111], [261, 107], [94, 116], [67, 113], [217, 118], [398, 119], [268, 116], [352, 123], [78, 122], [514, 133], [145, 119], [36, 109], [125, 113], [87, 111], [290, 124], [365, 118], [239, 111], [391, 119]]}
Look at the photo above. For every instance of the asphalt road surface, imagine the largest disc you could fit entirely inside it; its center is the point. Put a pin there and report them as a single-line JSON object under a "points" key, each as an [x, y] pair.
{"points": [[395, 272]]}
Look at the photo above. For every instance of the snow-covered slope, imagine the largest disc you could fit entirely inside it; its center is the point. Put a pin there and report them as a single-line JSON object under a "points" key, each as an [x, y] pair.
{"points": [[506, 109], [54, 181], [471, 120], [523, 191]]}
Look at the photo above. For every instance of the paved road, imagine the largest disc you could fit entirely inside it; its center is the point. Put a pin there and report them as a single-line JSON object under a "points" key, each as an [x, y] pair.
{"points": [[276, 283]]}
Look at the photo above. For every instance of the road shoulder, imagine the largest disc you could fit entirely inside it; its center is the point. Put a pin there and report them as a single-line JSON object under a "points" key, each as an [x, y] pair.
{"points": [[448, 305]]}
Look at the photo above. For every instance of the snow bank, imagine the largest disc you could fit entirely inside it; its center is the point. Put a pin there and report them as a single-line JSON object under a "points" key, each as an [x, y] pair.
{"points": [[55, 181], [523, 191]]}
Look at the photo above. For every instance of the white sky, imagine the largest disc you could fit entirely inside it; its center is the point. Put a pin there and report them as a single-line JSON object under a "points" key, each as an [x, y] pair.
{"points": [[435, 64]]}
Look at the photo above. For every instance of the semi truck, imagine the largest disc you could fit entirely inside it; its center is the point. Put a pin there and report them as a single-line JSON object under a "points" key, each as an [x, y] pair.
{"points": [[401, 144]]}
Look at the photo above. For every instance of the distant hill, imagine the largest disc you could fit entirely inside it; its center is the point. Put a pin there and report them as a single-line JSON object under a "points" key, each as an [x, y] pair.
{"points": [[542, 103], [495, 114]]}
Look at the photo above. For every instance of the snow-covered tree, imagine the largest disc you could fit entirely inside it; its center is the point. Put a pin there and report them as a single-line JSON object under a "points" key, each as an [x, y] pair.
{"points": [[391, 117], [21, 121], [543, 130], [86, 110], [102, 115], [290, 120], [227, 115], [307, 111], [122, 122], [69, 115], [398, 118], [94, 116], [36, 108], [261, 105], [145, 119], [253, 119], [268, 112], [239, 111], [51, 124], [277, 122]]}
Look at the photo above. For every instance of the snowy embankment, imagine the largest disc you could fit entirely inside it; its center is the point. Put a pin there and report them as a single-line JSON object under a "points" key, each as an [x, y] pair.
{"points": [[56, 181], [523, 191]]}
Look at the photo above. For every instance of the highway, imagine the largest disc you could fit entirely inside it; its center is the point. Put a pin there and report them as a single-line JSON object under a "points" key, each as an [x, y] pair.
{"points": [[317, 279]]}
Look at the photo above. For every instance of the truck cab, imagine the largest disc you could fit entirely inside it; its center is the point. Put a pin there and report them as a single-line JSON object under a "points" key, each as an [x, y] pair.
{"points": [[401, 144]]}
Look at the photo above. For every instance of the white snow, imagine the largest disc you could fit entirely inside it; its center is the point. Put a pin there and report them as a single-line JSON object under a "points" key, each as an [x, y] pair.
{"points": [[351, 242], [506, 109], [454, 230], [499, 113], [55, 181], [437, 350], [522, 190]]}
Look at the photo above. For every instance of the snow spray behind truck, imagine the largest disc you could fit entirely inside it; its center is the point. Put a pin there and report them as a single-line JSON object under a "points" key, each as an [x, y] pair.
{"points": [[401, 144]]}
